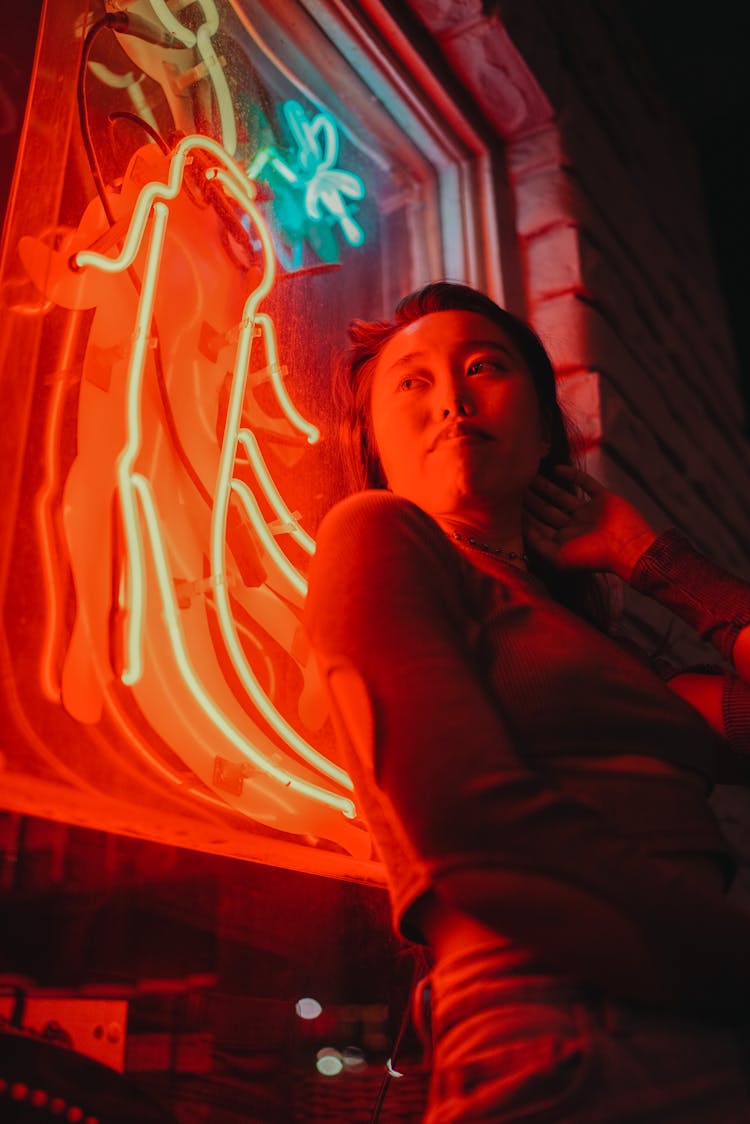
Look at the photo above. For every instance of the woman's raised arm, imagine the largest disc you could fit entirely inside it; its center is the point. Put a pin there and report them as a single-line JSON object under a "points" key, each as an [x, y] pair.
{"points": [[599, 530]]}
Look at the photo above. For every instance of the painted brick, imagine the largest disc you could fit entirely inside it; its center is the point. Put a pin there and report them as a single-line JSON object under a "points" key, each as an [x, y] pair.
{"points": [[562, 323], [543, 199], [654, 318], [578, 393], [498, 79], [442, 16], [534, 151], [482, 53], [553, 263], [707, 470]]}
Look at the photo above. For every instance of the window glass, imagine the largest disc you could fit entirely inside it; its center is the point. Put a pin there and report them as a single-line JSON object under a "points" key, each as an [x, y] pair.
{"points": [[206, 194]]}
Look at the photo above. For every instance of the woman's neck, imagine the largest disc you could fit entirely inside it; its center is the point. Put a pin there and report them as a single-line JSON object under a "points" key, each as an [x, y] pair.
{"points": [[490, 537], [500, 534]]}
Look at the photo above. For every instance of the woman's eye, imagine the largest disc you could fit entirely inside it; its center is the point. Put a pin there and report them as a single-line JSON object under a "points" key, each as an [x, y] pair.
{"points": [[410, 382], [486, 366]]}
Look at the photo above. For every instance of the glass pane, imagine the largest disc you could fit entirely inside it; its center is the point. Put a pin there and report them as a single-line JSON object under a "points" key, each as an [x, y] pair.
{"points": [[203, 201]]}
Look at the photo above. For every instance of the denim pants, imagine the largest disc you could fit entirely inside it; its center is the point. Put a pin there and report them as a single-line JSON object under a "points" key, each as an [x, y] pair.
{"points": [[510, 1046]]}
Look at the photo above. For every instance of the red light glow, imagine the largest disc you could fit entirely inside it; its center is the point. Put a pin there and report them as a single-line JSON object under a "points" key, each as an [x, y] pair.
{"points": [[184, 545]]}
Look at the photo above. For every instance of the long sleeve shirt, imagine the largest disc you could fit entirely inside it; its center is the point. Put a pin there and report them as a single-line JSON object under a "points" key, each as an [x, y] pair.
{"points": [[467, 706]]}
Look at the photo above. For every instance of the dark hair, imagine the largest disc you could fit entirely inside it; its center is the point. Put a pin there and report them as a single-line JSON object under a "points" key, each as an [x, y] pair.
{"points": [[584, 593]]}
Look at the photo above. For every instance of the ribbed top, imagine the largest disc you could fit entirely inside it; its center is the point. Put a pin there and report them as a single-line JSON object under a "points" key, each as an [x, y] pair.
{"points": [[482, 700]]}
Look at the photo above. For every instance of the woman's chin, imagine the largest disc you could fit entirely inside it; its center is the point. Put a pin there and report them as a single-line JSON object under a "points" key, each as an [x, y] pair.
{"points": [[465, 493], [457, 503]]}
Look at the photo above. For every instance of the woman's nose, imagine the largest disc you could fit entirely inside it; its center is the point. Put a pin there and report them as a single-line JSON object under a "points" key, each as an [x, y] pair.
{"points": [[459, 402]]}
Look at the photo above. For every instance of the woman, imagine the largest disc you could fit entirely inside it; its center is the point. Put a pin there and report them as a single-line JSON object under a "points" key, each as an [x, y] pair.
{"points": [[536, 791]]}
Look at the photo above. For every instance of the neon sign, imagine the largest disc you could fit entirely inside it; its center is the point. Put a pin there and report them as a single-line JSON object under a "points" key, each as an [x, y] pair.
{"points": [[311, 196], [173, 554], [210, 66], [310, 193], [189, 570]]}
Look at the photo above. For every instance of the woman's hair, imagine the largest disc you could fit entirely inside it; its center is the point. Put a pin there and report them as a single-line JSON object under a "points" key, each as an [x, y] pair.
{"points": [[353, 376]]}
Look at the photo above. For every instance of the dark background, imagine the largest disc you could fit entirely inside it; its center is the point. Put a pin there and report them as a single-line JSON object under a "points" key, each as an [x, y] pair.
{"points": [[700, 56]]}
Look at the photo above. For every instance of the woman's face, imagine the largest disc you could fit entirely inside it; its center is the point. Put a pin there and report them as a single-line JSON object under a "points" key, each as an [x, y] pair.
{"points": [[455, 415]]}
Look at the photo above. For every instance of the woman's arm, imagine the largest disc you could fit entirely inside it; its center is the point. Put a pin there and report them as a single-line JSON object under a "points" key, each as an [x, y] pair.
{"points": [[387, 620], [596, 529], [600, 530], [724, 701], [717, 605], [714, 602]]}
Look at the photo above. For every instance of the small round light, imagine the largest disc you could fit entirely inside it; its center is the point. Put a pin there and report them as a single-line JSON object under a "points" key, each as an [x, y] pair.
{"points": [[329, 1062], [308, 1008], [353, 1057]]}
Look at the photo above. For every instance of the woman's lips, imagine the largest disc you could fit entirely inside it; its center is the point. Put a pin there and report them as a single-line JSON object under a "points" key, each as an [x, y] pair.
{"points": [[460, 434]]}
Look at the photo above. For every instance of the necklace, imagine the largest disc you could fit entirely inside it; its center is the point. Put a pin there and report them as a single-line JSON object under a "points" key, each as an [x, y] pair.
{"points": [[494, 551]]}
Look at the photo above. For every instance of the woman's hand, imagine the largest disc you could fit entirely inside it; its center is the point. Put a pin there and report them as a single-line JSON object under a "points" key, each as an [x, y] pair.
{"points": [[591, 530]]}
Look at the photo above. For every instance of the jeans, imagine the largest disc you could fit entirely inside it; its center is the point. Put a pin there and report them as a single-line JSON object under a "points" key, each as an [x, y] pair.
{"points": [[519, 1047]]}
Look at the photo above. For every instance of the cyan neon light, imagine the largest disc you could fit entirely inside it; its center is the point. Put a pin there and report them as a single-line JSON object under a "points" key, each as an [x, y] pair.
{"points": [[316, 190], [318, 194], [135, 491], [326, 186]]}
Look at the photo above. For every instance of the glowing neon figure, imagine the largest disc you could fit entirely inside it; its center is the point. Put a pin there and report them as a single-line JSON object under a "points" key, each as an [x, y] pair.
{"points": [[310, 189], [167, 289]]}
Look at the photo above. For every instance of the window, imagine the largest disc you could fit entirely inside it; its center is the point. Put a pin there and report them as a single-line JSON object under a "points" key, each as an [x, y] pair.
{"points": [[192, 225]]}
